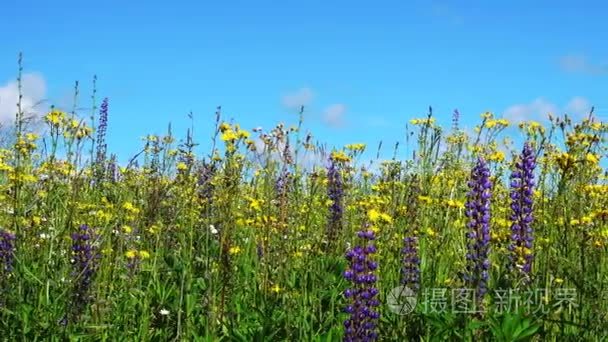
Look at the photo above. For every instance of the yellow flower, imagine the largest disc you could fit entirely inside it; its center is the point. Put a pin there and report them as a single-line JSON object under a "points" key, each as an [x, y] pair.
{"points": [[224, 127], [229, 136], [55, 117], [255, 204], [234, 250], [153, 229], [275, 288], [36, 220], [340, 156], [131, 254], [128, 206], [425, 199], [181, 166], [455, 204], [355, 147], [426, 121], [243, 134], [591, 158], [497, 156], [373, 215], [31, 136], [144, 254], [487, 115]]}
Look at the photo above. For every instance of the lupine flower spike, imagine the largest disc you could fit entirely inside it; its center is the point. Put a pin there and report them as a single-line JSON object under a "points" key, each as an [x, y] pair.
{"points": [[84, 267], [361, 325], [335, 192], [522, 187], [478, 213]]}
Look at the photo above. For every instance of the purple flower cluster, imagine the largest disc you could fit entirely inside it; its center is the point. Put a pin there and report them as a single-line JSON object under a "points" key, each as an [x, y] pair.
{"points": [[84, 267], [281, 184], [478, 213], [112, 170], [7, 253], [361, 325], [335, 192], [205, 176], [101, 131], [7, 256], [411, 264], [522, 187], [455, 119]]}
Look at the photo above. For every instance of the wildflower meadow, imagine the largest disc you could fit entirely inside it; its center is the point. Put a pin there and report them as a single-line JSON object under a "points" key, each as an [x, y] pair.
{"points": [[271, 235]]}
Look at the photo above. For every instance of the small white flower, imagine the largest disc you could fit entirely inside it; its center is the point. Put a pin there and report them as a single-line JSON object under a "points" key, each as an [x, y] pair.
{"points": [[164, 312], [44, 236], [213, 230]]}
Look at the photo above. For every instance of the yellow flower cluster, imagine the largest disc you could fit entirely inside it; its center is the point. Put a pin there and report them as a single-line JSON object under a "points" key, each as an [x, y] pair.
{"points": [[421, 122], [340, 156], [132, 254]]}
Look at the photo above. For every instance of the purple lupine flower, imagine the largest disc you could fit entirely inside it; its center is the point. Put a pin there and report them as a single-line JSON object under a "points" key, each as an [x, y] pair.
{"points": [[335, 192], [205, 177], [411, 264], [101, 131], [100, 159], [7, 253], [7, 257], [522, 187], [84, 266], [361, 324], [478, 213], [113, 171], [455, 119], [281, 183]]}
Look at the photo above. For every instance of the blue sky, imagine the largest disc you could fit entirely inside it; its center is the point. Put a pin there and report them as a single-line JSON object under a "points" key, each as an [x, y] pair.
{"points": [[362, 69]]}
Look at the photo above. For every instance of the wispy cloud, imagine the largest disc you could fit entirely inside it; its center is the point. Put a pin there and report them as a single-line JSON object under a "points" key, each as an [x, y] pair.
{"points": [[578, 106], [581, 64], [298, 98], [333, 115], [33, 91], [539, 109]]}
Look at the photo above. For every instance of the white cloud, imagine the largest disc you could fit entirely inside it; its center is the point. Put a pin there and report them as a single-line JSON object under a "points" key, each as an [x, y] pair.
{"points": [[301, 97], [333, 115], [539, 109], [580, 64], [33, 91], [578, 106]]}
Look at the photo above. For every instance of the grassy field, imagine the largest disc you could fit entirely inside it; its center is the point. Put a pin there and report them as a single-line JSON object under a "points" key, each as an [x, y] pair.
{"points": [[271, 237]]}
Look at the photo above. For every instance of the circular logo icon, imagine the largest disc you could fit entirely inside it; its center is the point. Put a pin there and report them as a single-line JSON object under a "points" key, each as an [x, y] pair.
{"points": [[401, 300]]}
